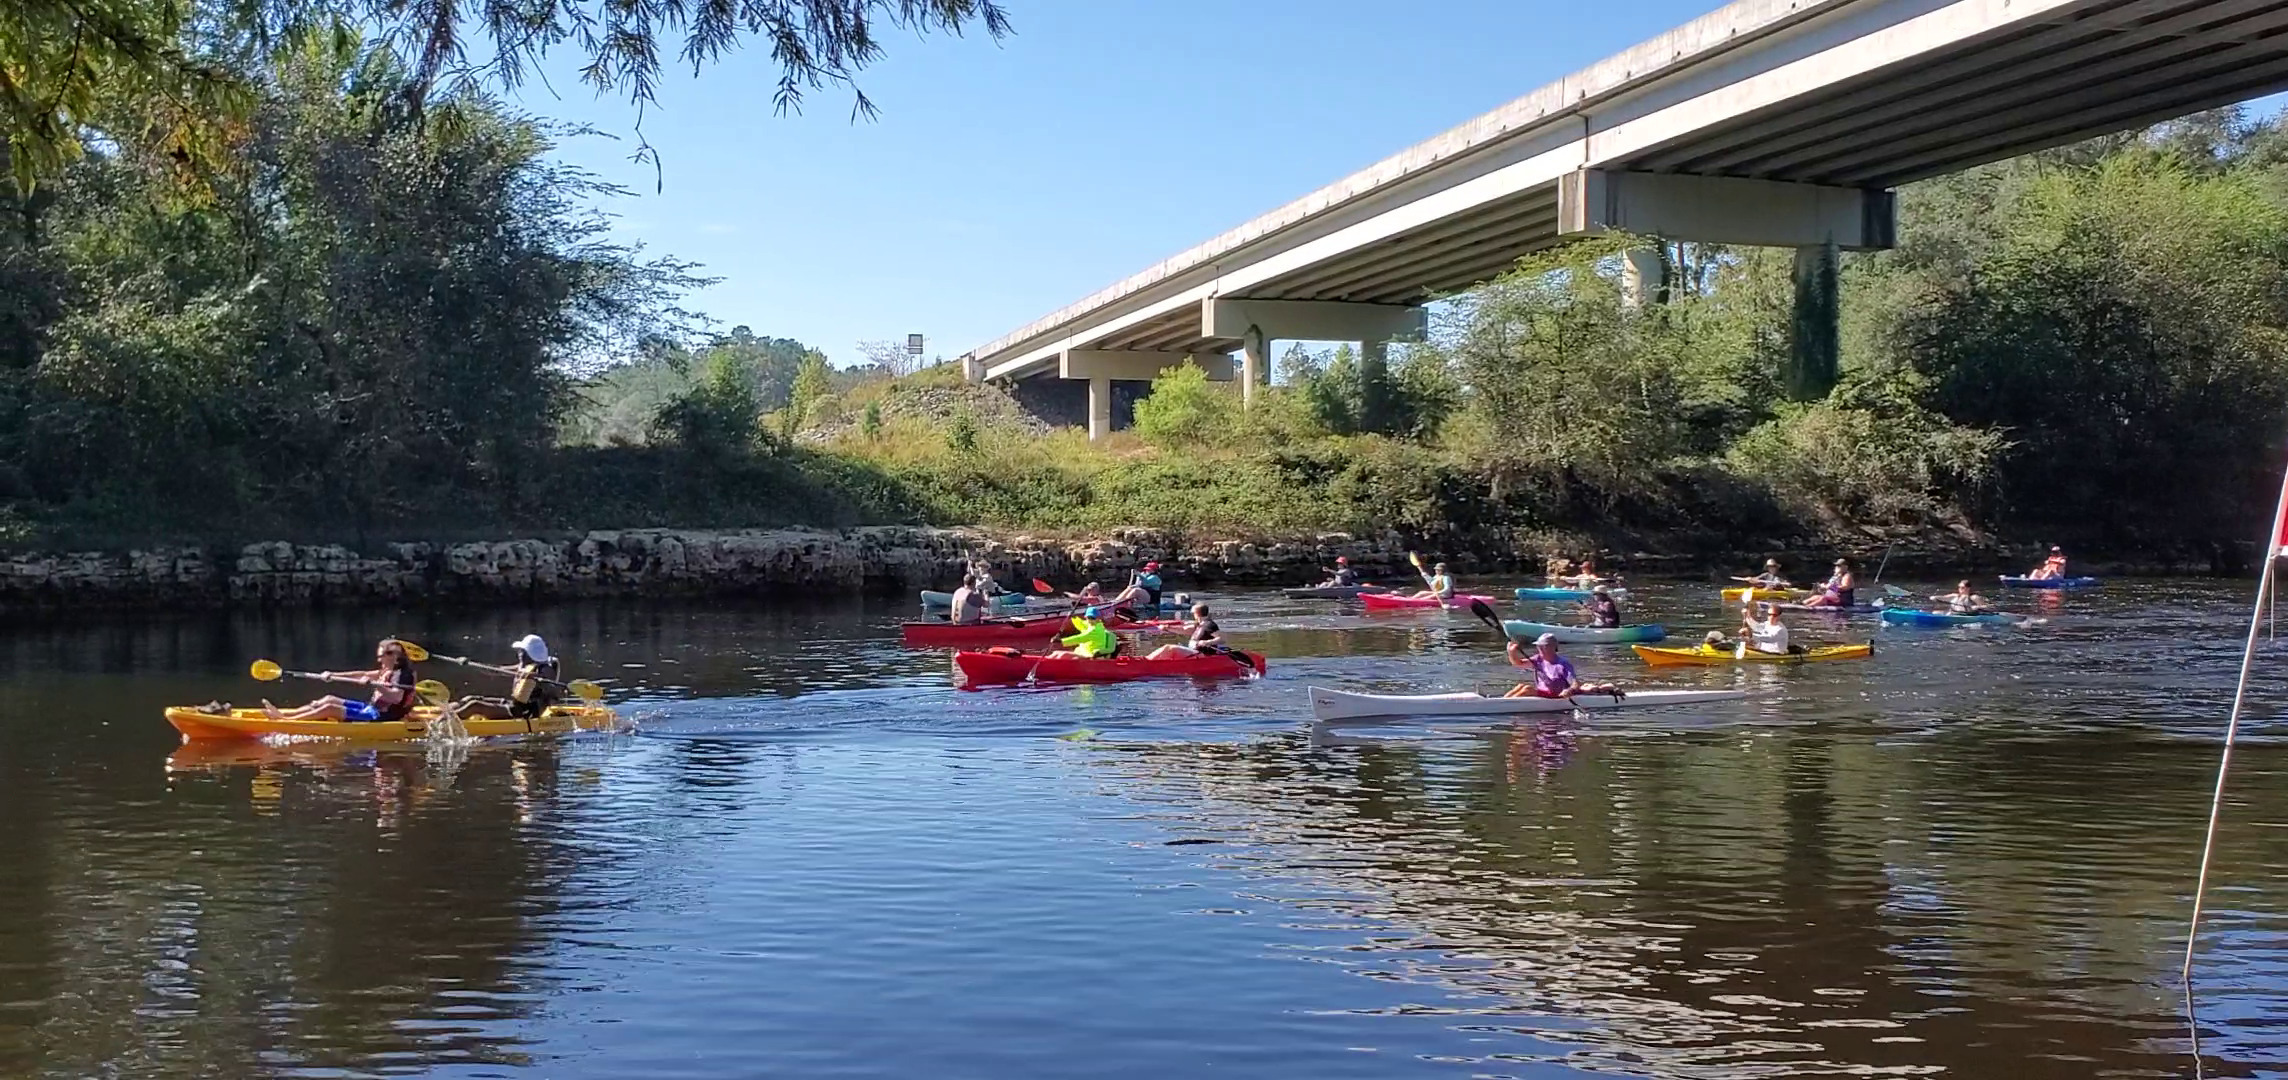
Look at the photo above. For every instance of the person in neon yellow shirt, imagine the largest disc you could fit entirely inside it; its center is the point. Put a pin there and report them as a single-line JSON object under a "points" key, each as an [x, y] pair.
{"points": [[1091, 640]]}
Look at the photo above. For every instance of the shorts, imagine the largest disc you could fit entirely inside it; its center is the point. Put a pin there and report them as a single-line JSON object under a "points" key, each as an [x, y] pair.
{"points": [[360, 712]]}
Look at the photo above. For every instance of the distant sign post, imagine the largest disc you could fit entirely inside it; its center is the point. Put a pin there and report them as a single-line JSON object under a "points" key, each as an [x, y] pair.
{"points": [[914, 349]]}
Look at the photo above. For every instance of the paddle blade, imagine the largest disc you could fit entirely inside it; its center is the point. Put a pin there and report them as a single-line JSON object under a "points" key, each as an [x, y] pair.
{"points": [[413, 652], [1415, 559], [1894, 591], [432, 691], [587, 691], [1485, 613], [1044, 588], [265, 671]]}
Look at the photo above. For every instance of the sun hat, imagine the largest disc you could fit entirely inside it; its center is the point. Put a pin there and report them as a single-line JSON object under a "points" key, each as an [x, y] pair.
{"points": [[532, 646], [1546, 639]]}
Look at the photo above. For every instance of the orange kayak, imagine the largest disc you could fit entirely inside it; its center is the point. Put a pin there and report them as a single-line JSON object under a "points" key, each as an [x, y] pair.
{"points": [[252, 724]]}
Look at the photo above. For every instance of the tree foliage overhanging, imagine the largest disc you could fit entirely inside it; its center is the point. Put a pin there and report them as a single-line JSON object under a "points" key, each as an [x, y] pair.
{"points": [[389, 312]]}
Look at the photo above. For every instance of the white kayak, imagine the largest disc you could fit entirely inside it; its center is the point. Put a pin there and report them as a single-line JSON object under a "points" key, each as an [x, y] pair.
{"points": [[1343, 705]]}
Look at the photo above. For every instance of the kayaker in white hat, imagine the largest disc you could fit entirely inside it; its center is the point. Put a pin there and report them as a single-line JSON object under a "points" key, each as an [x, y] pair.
{"points": [[1553, 675], [1604, 611]]}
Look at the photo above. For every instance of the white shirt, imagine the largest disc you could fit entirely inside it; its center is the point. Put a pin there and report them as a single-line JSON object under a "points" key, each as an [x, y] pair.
{"points": [[1768, 636]]}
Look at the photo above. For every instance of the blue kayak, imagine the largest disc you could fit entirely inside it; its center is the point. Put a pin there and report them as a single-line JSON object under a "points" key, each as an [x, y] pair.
{"points": [[934, 598], [2009, 582], [1583, 635], [1552, 592], [1911, 617]]}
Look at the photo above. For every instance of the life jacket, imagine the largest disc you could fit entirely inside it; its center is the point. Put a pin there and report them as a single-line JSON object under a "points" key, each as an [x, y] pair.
{"points": [[1093, 639]]}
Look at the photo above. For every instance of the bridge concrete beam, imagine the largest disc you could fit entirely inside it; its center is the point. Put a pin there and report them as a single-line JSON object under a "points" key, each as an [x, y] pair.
{"points": [[1136, 364], [1725, 210], [1307, 320], [1101, 366]]}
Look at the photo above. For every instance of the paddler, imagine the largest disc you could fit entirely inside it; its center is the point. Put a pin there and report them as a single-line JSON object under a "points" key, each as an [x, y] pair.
{"points": [[1206, 639], [1604, 611], [1771, 578], [1091, 640], [1765, 635], [1342, 576], [1440, 586], [1553, 675], [1962, 601], [538, 682], [1838, 590], [2052, 568], [969, 602], [392, 679], [1143, 591]]}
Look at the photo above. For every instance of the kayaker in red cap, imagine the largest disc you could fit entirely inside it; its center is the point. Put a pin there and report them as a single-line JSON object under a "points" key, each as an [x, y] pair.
{"points": [[1342, 576], [1142, 593]]}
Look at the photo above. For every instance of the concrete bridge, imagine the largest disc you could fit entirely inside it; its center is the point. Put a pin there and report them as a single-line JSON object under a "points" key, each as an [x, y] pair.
{"points": [[1781, 123]]}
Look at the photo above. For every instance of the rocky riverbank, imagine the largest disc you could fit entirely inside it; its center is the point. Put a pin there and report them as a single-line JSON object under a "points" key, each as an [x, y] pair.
{"points": [[786, 562]]}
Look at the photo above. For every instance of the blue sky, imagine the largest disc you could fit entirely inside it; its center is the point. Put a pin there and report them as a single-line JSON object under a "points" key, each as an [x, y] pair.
{"points": [[1004, 181]]}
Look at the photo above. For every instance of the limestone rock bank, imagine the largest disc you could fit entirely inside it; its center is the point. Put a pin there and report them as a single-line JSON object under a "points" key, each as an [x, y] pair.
{"points": [[667, 563]]}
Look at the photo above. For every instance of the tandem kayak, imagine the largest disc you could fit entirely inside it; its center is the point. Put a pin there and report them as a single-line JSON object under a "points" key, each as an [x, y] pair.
{"points": [[1703, 656], [2009, 582], [1393, 602], [1912, 617], [998, 666], [1334, 592], [1343, 705], [253, 723], [1552, 592], [1032, 629], [1523, 630]]}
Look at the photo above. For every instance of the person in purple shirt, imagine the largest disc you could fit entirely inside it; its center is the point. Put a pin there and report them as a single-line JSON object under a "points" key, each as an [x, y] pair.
{"points": [[1553, 675]]}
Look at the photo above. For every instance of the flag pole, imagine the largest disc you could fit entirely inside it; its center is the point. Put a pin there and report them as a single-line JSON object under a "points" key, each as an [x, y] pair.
{"points": [[2264, 588]]}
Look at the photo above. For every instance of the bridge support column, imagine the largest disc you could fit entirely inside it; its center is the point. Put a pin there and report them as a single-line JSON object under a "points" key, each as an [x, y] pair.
{"points": [[1644, 277], [1099, 409], [1255, 364], [1815, 337]]}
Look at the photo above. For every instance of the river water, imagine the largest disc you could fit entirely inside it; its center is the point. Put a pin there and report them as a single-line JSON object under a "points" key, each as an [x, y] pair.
{"points": [[1970, 854]]}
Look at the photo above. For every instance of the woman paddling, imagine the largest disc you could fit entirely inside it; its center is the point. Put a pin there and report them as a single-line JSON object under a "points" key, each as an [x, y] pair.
{"points": [[538, 683], [392, 680], [1839, 590], [1962, 601], [1553, 675], [2052, 568], [1440, 586], [1604, 611], [1771, 578]]}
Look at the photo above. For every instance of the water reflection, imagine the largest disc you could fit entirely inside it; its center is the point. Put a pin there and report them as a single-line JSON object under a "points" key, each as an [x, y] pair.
{"points": [[1970, 849]]}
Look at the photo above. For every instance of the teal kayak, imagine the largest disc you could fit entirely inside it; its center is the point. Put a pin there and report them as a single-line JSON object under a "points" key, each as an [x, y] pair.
{"points": [[1552, 592], [1911, 617], [1524, 630], [934, 598]]}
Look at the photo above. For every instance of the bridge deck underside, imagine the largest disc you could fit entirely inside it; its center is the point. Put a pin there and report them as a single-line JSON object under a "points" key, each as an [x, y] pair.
{"points": [[2107, 67]]}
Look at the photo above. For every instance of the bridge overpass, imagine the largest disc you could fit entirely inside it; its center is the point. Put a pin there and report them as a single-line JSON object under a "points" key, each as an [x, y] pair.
{"points": [[1783, 123]]}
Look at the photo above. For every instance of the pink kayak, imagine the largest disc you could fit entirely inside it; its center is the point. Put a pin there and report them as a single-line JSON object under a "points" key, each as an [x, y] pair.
{"points": [[1392, 601]]}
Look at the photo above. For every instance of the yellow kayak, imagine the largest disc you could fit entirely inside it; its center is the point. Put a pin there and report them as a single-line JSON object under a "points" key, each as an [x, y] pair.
{"points": [[251, 723], [1744, 594], [1703, 656]]}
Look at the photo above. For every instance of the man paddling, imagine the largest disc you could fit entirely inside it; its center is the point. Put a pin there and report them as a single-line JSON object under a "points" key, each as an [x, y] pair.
{"points": [[1342, 576], [1765, 635], [1553, 675], [1771, 578]]}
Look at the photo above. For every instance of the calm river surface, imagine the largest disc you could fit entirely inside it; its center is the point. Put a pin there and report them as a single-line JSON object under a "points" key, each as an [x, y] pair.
{"points": [[1970, 855]]}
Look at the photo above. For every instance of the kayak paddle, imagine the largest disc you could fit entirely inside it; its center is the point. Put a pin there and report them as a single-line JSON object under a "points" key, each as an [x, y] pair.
{"points": [[1485, 614], [1044, 588], [583, 689], [428, 690], [432, 691]]}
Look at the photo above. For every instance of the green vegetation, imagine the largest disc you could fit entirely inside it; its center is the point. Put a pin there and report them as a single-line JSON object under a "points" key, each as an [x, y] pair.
{"points": [[384, 312]]}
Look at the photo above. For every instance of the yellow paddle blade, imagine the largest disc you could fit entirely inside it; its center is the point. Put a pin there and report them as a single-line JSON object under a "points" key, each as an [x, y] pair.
{"points": [[413, 652], [265, 671], [586, 691], [432, 691]]}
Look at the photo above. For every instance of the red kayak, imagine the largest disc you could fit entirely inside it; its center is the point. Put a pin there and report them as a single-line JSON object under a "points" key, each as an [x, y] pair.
{"points": [[1010, 666], [1386, 601], [991, 631]]}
